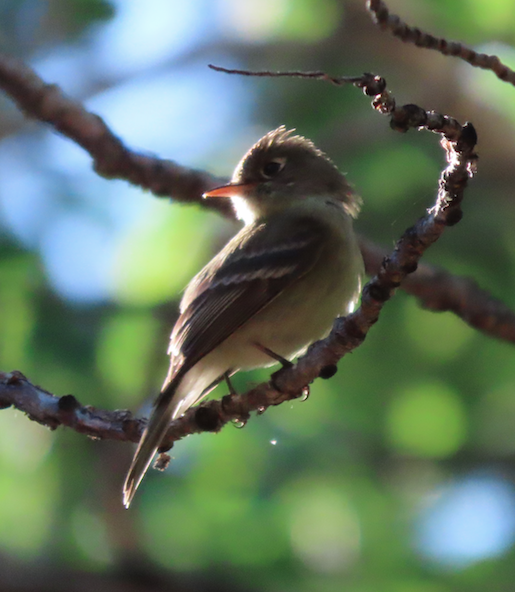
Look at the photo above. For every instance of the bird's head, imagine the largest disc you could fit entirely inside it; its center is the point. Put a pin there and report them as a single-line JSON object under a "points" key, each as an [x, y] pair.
{"points": [[279, 170]]}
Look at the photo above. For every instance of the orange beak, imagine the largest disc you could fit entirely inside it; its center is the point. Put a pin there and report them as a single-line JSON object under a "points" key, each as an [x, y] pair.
{"points": [[230, 190]]}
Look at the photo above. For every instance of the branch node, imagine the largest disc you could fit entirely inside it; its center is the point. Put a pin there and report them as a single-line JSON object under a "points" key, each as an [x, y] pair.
{"points": [[68, 403], [14, 377], [208, 419], [454, 216], [328, 371], [378, 292]]}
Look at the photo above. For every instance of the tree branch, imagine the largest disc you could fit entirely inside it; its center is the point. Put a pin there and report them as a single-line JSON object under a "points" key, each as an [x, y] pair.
{"points": [[397, 27], [440, 291], [111, 157], [52, 411]]}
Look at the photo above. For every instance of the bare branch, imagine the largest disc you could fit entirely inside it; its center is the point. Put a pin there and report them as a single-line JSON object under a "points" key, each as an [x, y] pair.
{"points": [[111, 158], [51, 411], [317, 75], [397, 27], [438, 290], [401, 118]]}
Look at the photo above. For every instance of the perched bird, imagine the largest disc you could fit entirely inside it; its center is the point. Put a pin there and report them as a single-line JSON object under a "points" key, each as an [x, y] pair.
{"points": [[276, 287]]}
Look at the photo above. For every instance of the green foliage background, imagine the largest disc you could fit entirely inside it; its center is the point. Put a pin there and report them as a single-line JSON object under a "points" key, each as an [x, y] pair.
{"points": [[317, 495]]}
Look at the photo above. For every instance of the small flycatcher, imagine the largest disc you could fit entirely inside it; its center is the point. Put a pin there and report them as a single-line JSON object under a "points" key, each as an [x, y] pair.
{"points": [[276, 287]]}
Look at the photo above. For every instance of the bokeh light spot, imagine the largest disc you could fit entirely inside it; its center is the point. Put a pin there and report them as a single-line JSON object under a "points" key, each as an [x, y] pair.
{"points": [[470, 520], [324, 526], [426, 329], [495, 420], [427, 420], [375, 180], [124, 352], [262, 20], [159, 255], [23, 444], [91, 536], [26, 502]]}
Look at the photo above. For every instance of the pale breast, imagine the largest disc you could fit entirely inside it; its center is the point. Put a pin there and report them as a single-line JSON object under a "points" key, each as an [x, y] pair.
{"points": [[305, 312]]}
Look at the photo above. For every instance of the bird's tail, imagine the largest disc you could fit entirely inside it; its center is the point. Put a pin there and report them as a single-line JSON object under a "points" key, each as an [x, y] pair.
{"points": [[151, 438]]}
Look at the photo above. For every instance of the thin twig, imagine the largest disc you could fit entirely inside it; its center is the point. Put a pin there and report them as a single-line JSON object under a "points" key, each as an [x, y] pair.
{"points": [[401, 118], [317, 75], [397, 27]]}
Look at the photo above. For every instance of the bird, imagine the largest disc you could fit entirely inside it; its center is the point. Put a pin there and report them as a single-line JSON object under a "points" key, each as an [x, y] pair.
{"points": [[274, 289]]}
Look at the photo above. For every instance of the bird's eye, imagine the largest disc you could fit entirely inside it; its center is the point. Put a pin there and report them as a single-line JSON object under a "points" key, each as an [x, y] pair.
{"points": [[271, 168]]}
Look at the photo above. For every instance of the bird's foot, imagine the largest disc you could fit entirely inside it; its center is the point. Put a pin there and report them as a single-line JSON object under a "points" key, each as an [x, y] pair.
{"points": [[277, 357], [227, 378]]}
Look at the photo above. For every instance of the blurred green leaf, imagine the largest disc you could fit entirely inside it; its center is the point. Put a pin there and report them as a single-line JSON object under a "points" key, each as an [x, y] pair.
{"points": [[427, 420], [439, 336], [17, 316], [81, 13], [159, 256], [91, 536], [27, 504], [495, 420], [302, 20], [124, 353], [385, 176], [324, 526]]}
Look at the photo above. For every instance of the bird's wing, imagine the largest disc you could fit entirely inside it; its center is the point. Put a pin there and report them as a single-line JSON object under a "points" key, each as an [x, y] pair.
{"points": [[255, 267], [252, 270]]}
